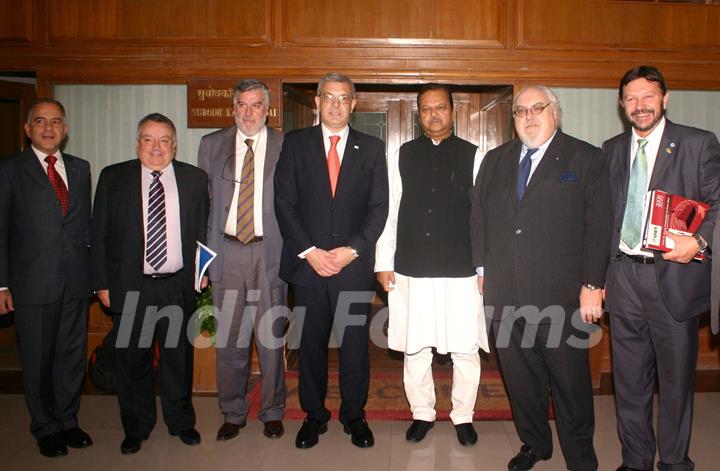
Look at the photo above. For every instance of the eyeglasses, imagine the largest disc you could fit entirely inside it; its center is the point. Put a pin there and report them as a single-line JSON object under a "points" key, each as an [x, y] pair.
{"points": [[53, 122], [536, 109], [330, 98]]}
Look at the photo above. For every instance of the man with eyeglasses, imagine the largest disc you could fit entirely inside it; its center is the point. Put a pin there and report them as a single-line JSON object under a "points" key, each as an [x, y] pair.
{"points": [[331, 198], [423, 260], [540, 221], [654, 299], [243, 230], [44, 274]]}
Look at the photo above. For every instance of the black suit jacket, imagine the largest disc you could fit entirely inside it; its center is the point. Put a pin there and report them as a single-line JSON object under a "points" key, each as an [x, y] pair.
{"points": [[309, 216], [118, 231], [539, 252], [687, 164], [39, 246]]}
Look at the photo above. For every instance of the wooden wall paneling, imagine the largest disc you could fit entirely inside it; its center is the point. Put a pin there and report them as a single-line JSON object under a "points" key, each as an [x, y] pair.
{"points": [[176, 21], [16, 22], [461, 23], [607, 24]]}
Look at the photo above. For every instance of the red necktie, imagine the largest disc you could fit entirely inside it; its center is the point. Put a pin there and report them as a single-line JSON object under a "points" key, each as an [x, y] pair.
{"points": [[333, 162], [57, 183]]}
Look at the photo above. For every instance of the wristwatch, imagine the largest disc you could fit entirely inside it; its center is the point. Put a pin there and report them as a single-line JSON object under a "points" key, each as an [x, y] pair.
{"points": [[590, 287], [702, 245]]}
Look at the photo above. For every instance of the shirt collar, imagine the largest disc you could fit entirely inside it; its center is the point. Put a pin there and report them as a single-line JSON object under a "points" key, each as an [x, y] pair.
{"points": [[654, 137], [241, 137], [542, 148], [343, 133], [41, 155]]}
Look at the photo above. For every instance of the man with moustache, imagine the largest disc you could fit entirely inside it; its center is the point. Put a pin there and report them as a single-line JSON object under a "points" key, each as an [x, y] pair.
{"points": [[148, 215], [540, 237], [423, 259], [331, 198], [654, 299], [243, 230], [44, 274]]}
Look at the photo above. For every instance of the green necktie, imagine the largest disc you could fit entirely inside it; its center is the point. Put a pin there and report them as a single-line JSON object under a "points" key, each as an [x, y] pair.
{"points": [[632, 223]]}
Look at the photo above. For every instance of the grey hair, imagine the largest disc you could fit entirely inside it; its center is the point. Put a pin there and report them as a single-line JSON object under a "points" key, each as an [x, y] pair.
{"points": [[336, 77], [251, 84], [45, 101], [549, 95]]}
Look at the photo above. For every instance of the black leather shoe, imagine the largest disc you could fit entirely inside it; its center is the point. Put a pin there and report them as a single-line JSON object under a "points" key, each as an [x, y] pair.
{"points": [[628, 468], [309, 434], [130, 445], [273, 429], [360, 434], [466, 434], [76, 438], [53, 445], [229, 430], [526, 459], [189, 436], [417, 430]]}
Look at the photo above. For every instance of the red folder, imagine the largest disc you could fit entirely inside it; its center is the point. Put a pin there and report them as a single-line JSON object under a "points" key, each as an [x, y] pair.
{"points": [[674, 214]]}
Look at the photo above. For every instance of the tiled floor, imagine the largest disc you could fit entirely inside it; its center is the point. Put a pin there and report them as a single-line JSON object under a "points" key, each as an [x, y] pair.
{"points": [[252, 451]]}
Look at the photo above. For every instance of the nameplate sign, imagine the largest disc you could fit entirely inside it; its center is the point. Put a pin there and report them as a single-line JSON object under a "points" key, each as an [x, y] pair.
{"points": [[210, 105]]}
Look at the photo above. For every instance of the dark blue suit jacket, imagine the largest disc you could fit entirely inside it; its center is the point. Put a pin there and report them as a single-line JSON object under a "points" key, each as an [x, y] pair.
{"points": [[42, 251], [309, 216]]}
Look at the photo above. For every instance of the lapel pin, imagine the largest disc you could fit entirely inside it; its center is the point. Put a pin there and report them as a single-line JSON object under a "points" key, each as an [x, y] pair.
{"points": [[669, 148], [356, 147]]}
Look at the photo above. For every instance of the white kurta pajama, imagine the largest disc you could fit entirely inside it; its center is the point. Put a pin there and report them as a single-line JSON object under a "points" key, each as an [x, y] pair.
{"points": [[444, 313]]}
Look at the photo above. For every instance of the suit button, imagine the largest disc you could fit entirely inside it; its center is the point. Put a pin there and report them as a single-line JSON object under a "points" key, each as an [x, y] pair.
{"points": [[427, 234], [429, 211], [433, 190], [221, 233], [227, 209], [518, 231]]}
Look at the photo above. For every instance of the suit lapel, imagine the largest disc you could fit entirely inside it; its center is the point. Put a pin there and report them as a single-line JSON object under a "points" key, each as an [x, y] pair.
{"points": [[350, 159], [622, 172], [553, 158], [134, 193], [510, 163], [666, 151], [227, 171], [318, 160], [182, 182], [73, 176], [33, 166]]}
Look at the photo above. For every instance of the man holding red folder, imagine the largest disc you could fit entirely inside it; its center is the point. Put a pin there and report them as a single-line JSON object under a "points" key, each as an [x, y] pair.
{"points": [[654, 299]]}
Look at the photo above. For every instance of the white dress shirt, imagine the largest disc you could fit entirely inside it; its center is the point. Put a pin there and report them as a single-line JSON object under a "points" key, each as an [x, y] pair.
{"points": [[259, 149], [327, 133], [59, 165], [172, 219], [651, 151]]}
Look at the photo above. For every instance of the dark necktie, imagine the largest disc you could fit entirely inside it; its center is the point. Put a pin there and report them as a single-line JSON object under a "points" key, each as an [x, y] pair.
{"points": [[156, 240], [246, 197], [524, 173], [57, 183], [333, 163]]}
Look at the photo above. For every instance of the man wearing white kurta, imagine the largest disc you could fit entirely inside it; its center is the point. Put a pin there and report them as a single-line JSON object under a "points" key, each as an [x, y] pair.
{"points": [[423, 260]]}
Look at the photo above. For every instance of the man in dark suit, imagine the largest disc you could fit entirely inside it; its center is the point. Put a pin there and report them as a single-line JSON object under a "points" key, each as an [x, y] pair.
{"points": [[148, 214], [541, 206], [243, 230], [331, 198], [654, 299], [44, 274]]}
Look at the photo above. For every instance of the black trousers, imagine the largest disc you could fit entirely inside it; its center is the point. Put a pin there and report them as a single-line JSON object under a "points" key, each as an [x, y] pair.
{"points": [[321, 302], [52, 340], [647, 341], [174, 301], [530, 371]]}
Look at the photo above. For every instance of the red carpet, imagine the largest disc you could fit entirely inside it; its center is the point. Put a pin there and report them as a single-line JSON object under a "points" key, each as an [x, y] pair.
{"points": [[387, 397]]}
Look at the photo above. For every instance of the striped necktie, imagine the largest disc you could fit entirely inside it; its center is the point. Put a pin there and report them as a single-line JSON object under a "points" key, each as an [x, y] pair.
{"points": [[246, 197], [156, 237], [632, 222]]}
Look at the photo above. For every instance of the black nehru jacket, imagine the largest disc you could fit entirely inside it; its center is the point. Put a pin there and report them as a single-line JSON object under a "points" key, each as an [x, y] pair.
{"points": [[433, 229]]}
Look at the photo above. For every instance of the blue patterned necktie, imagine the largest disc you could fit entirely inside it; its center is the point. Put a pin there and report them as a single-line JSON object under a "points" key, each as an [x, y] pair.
{"points": [[156, 240], [632, 221], [524, 173]]}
